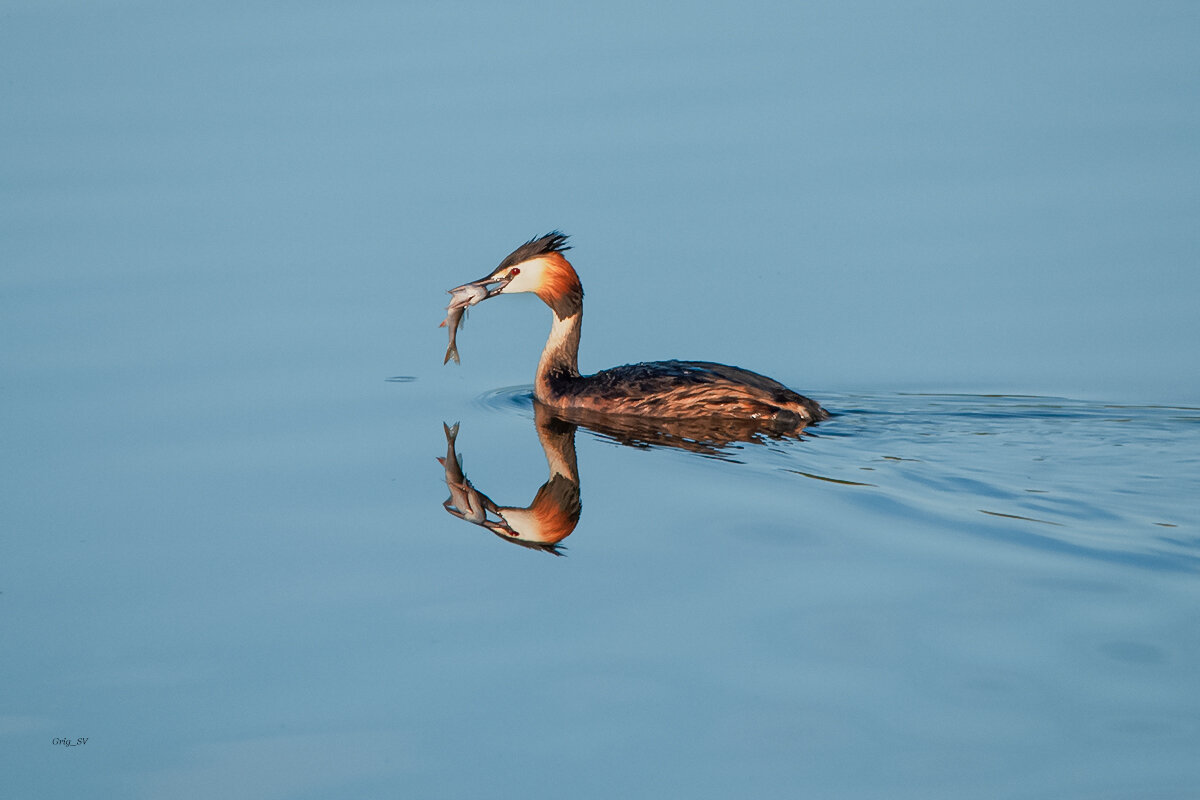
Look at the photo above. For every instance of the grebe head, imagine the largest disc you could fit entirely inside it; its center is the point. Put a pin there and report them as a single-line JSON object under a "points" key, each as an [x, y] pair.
{"points": [[538, 266]]}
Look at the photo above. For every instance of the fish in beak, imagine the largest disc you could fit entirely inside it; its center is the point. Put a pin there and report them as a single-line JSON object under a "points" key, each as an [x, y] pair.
{"points": [[462, 298], [481, 289]]}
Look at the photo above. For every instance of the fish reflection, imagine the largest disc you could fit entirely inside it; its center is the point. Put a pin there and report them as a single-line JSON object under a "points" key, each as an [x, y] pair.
{"points": [[554, 511]]}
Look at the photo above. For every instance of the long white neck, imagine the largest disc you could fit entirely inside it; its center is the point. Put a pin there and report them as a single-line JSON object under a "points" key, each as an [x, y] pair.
{"points": [[560, 358]]}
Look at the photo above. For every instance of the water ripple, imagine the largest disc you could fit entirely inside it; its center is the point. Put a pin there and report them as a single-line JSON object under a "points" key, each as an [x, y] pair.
{"points": [[517, 399]]}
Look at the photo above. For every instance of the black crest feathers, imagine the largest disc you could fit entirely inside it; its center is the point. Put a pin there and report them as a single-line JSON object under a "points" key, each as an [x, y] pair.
{"points": [[552, 242]]}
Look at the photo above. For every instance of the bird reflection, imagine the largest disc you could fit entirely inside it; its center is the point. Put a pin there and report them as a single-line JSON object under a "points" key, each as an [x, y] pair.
{"points": [[554, 511]]}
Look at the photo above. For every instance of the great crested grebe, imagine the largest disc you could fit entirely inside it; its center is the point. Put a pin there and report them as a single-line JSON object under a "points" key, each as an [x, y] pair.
{"points": [[657, 389]]}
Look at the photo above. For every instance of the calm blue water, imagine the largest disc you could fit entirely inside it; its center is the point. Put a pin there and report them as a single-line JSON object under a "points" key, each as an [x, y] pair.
{"points": [[226, 233]]}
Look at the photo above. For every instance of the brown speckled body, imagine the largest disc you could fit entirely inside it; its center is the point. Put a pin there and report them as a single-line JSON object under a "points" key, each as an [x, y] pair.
{"points": [[680, 390]]}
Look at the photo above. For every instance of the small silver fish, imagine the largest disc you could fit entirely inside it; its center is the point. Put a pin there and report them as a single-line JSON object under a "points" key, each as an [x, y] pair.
{"points": [[461, 299]]}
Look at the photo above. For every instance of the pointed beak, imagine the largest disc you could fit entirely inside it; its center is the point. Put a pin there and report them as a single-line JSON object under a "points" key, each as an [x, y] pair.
{"points": [[493, 286]]}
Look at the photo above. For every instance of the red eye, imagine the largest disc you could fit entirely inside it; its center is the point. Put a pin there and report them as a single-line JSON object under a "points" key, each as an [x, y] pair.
{"points": [[514, 272]]}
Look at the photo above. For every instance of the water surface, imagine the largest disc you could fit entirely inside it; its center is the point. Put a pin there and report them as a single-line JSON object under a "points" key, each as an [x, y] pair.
{"points": [[969, 232]]}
